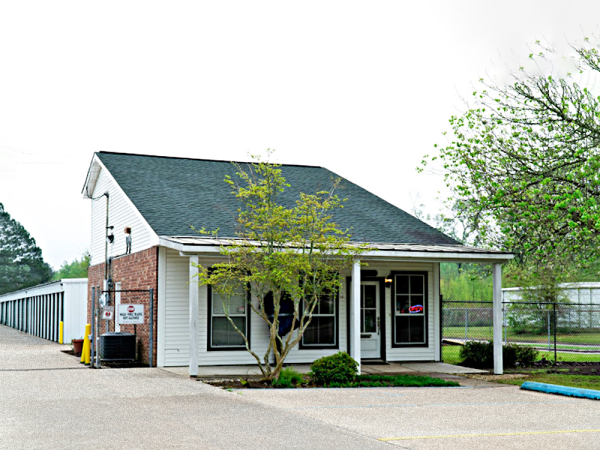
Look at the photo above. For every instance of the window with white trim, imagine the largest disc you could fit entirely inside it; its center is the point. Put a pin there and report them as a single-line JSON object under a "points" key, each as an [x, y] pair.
{"points": [[410, 309], [222, 335], [322, 329]]}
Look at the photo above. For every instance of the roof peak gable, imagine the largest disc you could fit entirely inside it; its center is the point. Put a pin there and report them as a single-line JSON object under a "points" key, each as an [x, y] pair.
{"points": [[202, 159]]}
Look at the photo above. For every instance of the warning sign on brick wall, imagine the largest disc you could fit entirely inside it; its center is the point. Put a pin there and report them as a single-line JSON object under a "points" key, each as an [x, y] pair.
{"points": [[131, 314]]}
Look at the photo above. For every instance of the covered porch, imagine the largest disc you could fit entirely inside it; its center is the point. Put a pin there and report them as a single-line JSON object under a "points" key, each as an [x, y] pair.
{"points": [[388, 269]]}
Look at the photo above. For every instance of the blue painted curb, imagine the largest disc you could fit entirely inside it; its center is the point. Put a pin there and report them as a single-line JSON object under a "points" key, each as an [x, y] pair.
{"points": [[562, 390]]}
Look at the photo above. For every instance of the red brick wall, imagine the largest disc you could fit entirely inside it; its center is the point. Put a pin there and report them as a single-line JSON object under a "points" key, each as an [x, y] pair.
{"points": [[135, 271]]}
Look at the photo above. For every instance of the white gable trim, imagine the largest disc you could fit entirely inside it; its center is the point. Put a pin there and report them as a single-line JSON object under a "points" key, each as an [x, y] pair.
{"points": [[93, 176]]}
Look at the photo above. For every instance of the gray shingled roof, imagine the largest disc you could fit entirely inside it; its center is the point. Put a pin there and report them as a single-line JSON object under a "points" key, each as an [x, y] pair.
{"points": [[174, 193]]}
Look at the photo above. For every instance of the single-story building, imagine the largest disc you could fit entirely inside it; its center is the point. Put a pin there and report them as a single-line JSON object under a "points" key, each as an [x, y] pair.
{"points": [[147, 205]]}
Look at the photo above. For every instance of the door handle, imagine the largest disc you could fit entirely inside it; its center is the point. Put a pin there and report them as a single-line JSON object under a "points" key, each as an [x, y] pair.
{"points": [[378, 323]]}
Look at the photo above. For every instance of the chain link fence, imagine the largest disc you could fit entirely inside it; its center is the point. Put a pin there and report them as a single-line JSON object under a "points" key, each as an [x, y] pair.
{"points": [[561, 332], [129, 312]]}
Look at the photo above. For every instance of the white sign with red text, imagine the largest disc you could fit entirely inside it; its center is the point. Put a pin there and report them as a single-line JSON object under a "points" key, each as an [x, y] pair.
{"points": [[131, 314], [108, 313]]}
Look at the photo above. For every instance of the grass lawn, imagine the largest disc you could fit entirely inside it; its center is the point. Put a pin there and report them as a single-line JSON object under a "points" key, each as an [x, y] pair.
{"points": [[590, 337], [450, 355], [541, 376]]}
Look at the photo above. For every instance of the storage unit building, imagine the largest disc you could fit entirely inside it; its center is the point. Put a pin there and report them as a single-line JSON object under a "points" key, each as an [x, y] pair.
{"points": [[38, 310]]}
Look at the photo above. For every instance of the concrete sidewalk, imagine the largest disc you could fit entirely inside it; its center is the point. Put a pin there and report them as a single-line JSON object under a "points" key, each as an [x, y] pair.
{"points": [[20, 351], [374, 369]]}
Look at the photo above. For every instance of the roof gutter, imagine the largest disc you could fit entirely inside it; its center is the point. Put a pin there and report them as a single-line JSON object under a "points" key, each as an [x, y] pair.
{"points": [[387, 255]]}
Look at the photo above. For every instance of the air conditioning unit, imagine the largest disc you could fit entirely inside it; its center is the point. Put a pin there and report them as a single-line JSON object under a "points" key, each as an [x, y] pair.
{"points": [[117, 346]]}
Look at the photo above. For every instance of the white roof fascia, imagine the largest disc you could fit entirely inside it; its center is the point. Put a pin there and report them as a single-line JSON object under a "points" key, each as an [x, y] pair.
{"points": [[446, 256], [91, 178], [475, 257], [154, 240], [51, 287], [41, 289]]}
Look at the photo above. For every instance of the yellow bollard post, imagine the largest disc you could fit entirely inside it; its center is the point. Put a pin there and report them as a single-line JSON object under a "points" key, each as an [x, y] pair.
{"points": [[85, 352], [88, 331], [61, 332]]}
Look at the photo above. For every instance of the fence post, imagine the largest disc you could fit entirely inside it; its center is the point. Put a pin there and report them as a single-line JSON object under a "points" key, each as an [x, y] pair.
{"points": [[549, 348], [98, 360], [591, 307], [441, 328], [504, 324], [93, 348], [554, 308], [150, 339], [466, 324]]}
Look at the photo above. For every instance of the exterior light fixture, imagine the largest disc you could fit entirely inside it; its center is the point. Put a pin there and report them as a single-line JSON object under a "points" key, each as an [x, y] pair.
{"points": [[110, 237], [388, 281]]}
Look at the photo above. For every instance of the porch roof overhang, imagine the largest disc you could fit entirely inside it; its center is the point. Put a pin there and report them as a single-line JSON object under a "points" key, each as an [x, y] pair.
{"points": [[206, 246]]}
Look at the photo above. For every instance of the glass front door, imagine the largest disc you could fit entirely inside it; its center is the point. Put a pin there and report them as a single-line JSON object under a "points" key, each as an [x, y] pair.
{"points": [[370, 333]]}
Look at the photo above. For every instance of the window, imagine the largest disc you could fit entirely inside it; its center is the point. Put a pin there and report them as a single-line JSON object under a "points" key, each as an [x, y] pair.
{"points": [[322, 329], [410, 309], [221, 334]]}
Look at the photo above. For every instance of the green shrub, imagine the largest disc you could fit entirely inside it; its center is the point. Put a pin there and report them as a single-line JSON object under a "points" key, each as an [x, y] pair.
{"points": [[509, 355], [281, 383], [338, 368], [289, 373], [480, 355], [526, 355], [288, 377]]}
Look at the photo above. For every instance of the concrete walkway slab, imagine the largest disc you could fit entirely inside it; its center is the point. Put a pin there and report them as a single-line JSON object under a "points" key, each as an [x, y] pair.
{"points": [[21, 351], [440, 367], [371, 369], [229, 371]]}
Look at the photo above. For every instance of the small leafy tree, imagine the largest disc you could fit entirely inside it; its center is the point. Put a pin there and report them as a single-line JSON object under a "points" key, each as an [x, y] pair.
{"points": [[284, 253], [533, 311], [78, 268], [523, 160]]}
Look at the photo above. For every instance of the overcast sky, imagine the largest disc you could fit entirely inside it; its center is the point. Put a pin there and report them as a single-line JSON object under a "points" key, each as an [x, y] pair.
{"points": [[362, 88]]}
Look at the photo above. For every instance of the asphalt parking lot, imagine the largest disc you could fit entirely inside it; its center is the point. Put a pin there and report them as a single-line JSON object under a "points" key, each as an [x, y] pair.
{"points": [[48, 400]]}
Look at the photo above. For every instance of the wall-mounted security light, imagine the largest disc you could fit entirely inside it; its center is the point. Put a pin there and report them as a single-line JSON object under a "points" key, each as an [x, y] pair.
{"points": [[110, 237], [388, 281]]}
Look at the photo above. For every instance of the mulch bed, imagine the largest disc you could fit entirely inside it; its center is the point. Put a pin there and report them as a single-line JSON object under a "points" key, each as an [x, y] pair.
{"points": [[566, 367], [237, 384], [576, 368]]}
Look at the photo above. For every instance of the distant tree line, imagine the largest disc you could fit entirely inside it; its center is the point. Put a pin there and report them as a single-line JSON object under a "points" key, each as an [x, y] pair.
{"points": [[21, 261]]}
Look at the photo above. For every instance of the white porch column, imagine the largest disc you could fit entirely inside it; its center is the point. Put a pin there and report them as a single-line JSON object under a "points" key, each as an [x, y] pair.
{"points": [[355, 314], [193, 294], [498, 369]]}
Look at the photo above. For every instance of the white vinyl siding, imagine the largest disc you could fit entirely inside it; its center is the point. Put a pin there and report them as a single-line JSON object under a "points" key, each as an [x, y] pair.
{"points": [[176, 320], [176, 309], [121, 214]]}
